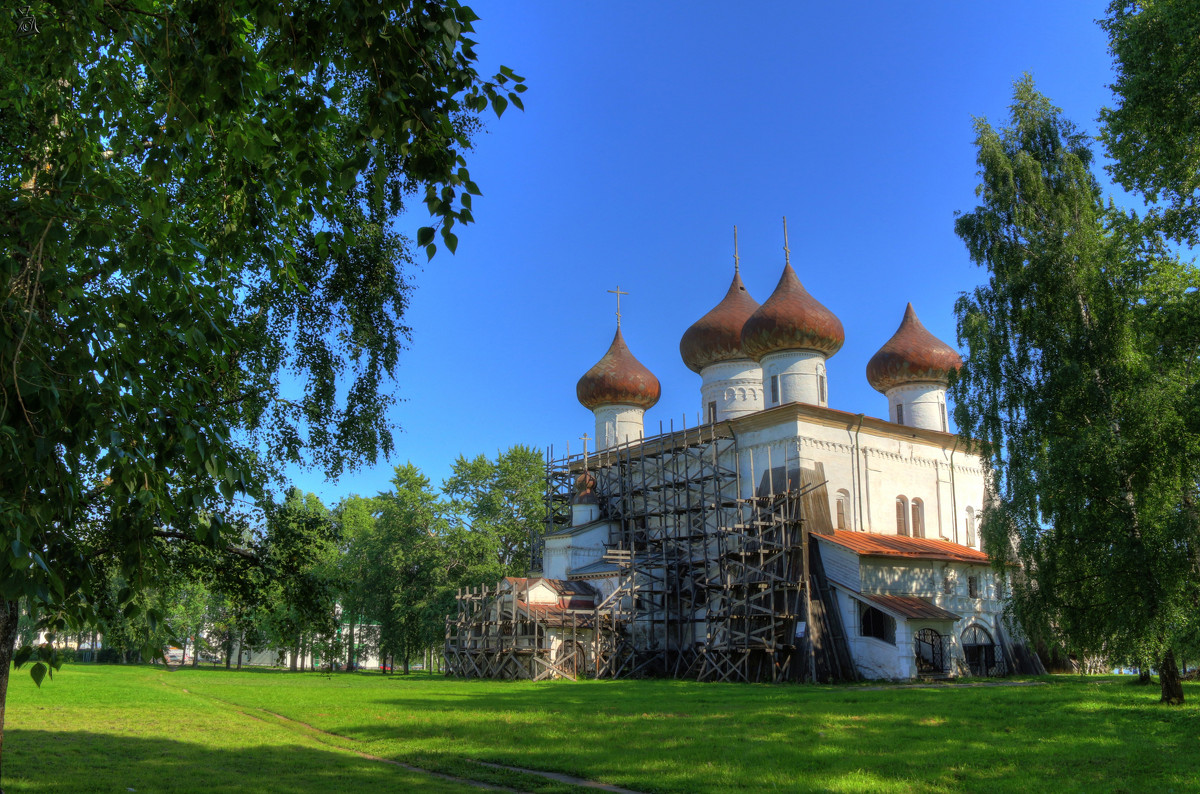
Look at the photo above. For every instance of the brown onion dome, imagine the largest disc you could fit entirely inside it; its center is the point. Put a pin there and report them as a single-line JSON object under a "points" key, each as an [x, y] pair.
{"points": [[618, 379], [791, 319], [717, 336], [912, 355]]}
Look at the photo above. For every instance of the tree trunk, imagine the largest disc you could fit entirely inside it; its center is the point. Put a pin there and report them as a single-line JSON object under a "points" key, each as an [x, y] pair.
{"points": [[1143, 675], [295, 656], [241, 636], [228, 649], [9, 616], [196, 650], [406, 662], [350, 647], [1168, 677]]}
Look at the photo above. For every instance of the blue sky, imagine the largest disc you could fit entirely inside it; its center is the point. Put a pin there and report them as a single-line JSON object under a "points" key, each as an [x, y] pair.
{"points": [[650, 130]]}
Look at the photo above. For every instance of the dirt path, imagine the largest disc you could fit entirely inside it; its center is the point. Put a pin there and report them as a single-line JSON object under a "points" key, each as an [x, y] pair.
{"points": [[304, 727]]}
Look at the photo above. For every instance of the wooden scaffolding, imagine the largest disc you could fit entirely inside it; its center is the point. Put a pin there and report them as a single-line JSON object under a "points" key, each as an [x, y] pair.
{"points": [[714, 576]]}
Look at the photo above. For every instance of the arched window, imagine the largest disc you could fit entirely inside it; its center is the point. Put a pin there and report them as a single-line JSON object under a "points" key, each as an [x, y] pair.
{"points": [[970, 526], [842, 517], [822, 394], [874, 623], [918, 519], [899, 413], [901, 516], [712, 411], [774, 390], [945, 424]]}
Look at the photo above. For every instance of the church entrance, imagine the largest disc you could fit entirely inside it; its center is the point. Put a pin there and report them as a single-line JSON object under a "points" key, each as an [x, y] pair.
{"points": [[980, 652], [932, 652]]}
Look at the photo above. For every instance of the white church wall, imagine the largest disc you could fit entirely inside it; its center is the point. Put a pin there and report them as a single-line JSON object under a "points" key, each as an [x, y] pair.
{"points": [[618, 424], [735, 387]]}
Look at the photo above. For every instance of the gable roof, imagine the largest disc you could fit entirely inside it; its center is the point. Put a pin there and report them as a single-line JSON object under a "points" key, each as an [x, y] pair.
{"points": [[869, 544]]}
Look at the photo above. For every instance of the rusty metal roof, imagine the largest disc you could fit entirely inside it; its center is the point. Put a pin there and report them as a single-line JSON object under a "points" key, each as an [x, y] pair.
{"points": [[869, 544], [717, 336], [909, 607], [561, 586], [791, 319], [912, 355], [618, 379]]}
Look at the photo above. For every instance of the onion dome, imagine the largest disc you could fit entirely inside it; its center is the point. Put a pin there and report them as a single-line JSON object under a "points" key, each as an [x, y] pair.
{"points": [[618, 379], [791, 319], [912, 355], [717, 336]]}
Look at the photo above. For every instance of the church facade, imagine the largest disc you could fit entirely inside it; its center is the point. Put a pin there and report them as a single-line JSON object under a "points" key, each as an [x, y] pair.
{"points": [[781, 539]]}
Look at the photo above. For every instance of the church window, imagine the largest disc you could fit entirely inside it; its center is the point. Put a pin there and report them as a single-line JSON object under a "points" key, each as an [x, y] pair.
{"points": [[918, 519], [712, 411], [774, 390], [901, 516], [970, 526], [899, 414], [945, 424], [947, 584], [874, 623], [822, 397], [973, 586], [843, 509]]}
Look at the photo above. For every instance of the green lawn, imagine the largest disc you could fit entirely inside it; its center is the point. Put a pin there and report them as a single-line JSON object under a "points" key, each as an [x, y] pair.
{"points": [[141, 728]]}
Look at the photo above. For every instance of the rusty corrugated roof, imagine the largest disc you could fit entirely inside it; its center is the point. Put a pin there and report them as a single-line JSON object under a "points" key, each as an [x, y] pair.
{"points": [[912, 355], [869, 544], [909, 607]]}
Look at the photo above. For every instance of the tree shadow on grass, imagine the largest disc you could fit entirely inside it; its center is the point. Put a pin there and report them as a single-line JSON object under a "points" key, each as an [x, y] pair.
{"points": [[85, 761]]}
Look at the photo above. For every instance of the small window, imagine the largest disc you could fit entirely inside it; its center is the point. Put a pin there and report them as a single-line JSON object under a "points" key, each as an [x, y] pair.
{"points": [[901, 516], [822, 396], [774, 390], [843, 509], [712, 411], [874, 623], [947, 585], [945, 424], [899, 414], [970, 526], [973, 587], [918, 519]]}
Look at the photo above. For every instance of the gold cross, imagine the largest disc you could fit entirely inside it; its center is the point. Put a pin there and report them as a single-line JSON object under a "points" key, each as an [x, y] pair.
{"points": [[787, 252], [736, 261], [618, 293]]}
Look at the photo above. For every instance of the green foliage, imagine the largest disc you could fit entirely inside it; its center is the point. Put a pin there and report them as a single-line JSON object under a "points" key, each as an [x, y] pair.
{"points": [[1080, 388], [504, 499], [1153, 133], [198, 206]]}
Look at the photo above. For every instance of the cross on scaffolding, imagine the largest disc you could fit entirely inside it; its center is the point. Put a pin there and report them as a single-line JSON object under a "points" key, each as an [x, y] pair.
{"points": [[585, 438], [787, 252], [618, 293]]}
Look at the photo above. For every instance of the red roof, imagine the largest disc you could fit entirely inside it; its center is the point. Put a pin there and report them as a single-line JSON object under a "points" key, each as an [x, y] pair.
{"points": [[791, 319], [909, 607], [717, 336], [618, 379], [912, 355], [869, 544]]}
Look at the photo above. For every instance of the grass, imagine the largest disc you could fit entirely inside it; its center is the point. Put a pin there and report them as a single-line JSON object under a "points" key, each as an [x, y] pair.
{"points": [[141, 728]]}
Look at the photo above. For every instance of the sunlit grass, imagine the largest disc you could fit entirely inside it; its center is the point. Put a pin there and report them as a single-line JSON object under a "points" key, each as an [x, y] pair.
{"points": [[113, 728]]}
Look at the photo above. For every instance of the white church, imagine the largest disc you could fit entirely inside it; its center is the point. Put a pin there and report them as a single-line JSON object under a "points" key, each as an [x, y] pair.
{"points": [[781, 539]]}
